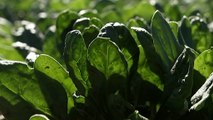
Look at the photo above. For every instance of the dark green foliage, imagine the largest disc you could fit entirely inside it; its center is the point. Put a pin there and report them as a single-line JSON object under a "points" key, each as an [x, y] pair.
{"points": [[105, 60]]}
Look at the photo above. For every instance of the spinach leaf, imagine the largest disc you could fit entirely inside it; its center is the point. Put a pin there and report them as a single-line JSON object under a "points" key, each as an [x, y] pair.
{"points": [[75, 55]]}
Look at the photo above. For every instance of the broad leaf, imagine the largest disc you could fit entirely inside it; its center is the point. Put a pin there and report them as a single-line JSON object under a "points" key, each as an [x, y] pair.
{"points": [[182, 77], [184, 33], [204, 63], [75, 55], [119, 34], [19, 84], [201, 36], [51, 72], [179, 86], [64, 24], [107, 57], [150, 66], [164, 40]]}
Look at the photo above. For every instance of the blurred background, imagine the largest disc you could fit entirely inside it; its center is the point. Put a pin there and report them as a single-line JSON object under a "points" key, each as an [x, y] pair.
{"points": [[33, 10], [34, 21]]}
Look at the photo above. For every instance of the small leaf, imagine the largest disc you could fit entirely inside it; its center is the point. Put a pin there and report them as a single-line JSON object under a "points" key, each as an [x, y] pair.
{"points": [[136, 22], [81, 23], [88, 13], [89, 34], [97, 22]]}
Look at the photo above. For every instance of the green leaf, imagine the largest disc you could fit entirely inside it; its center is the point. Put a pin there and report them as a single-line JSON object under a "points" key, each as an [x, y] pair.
{"points": [[174, 27], [179, 87], [119, 34], [81, 23], [90, 33], [164, 40], [205, 91], [14, 104], [182, 75], [136, 22], [201, 36], [18, 83], [204, 63], [97, 22], [184, 33], [64, 24], [149, 67], [54, 73], [38, 117], [105, 55], [75, 55], [88, 13]]}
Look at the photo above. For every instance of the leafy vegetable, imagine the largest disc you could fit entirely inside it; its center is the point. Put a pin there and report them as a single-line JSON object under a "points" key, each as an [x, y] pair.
{"points": [[106, 60]]}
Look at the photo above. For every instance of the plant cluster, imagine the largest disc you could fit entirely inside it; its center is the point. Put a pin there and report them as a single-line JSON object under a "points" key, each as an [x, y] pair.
{"points": [[144, 61]]}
